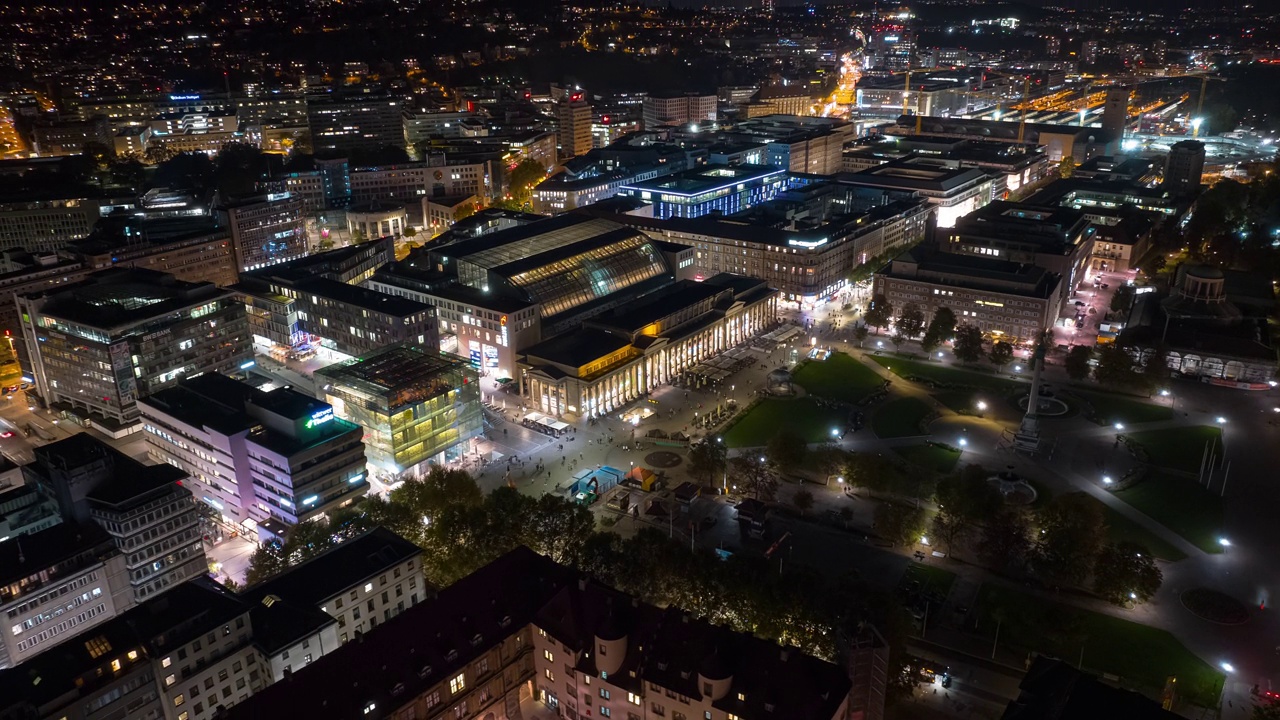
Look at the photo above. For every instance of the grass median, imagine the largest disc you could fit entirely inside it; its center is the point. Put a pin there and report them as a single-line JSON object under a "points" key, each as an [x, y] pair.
{"points": [[802, 416], [839, 377], [1139, 655], [901, 418]]}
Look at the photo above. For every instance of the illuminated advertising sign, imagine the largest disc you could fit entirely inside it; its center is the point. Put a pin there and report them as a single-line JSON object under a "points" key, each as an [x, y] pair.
{"points": [[320, 417]]}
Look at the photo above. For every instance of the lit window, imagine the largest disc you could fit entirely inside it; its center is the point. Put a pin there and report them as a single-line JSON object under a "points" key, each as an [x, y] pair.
{"points": [[179, 700], [458, 684], [169, 680], [368, 587], [633, 698], [115, 665]]}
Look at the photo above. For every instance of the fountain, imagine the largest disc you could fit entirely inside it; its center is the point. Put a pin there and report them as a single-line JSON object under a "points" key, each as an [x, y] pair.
{"points": [[779, 382]]}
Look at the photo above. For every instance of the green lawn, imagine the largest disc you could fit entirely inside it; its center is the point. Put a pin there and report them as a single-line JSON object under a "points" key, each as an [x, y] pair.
{"points": [[1121, 528], [1111, 408], [1180, 448], [931, 578], [1181, 505], [839, 377], [930, 457], [900, 418], [944, 374], [1138, 654], [802, 416]]}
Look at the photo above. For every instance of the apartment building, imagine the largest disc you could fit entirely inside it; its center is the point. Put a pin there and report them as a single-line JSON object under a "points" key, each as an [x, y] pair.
{"points": [[660, 110], [194, 250], [573, 115], [200, 649], [260, 462], [435, 177], [56, 583], [343, 122], [952, 191], [524, 635]]}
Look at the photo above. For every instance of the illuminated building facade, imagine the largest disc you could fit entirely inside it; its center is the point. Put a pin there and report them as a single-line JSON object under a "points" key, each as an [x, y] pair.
{"points": [[267, 230], [260, 461], [722, 189], [416, 405], [98, 345]]}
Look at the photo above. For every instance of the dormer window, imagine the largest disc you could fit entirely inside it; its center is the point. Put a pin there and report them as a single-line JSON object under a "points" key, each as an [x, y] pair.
{"points": [[742, 697], [451, 655]]}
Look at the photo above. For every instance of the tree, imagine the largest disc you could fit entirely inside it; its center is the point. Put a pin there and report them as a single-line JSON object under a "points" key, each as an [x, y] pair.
{"points": [[1126, 571], [828, 459], [1155, 365], [357, 237], [558, 529], [872, 471], [1001, 354], [1115, 365], [1071, 534], [911, 320], [523, 178], [157, 154], [964, 499], [1077, 361], [1066, 167], [879, 314], [1266, 709], [411, 232], [707, 461], [968, 344], [803, 500], [786, 450], [1154, 265], [464, 212], [899, 524], [941, 329], [860, 332], [1122, 300], [239, 168], [1006, 541], [752, 474], [430, 496], [897, 339]]}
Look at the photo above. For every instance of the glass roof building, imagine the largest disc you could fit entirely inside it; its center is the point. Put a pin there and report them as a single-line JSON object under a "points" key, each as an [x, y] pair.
{"points": [[569, 265]]}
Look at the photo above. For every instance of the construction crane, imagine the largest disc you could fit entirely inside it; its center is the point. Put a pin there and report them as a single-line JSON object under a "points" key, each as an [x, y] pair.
{"points": [[1022, 121]]}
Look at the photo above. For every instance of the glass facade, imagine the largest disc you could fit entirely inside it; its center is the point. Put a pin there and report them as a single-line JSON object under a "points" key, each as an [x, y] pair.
{"points": [[565, 284]]}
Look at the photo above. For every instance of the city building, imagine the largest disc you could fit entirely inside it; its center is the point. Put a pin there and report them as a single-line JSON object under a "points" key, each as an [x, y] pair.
{"points": [[1056, 238], [437, 177], [809, 145], [343, 122], [47, 224], [362, 583], [439, 214], [317, 305], [720, 189], [266, 229], [377, 219], [805, 262], [619, 356], [260, 461], [952, 191], [55, 583], [30, 273], [97, 345], [1059, 141], [1213, 324], [69, 136], [201, 649], [145, 509], [416, 405], [25, 508], [421, 126], [190, 249], [1020, 165], [1007, 300], [524, 634], [781, 100], [1115, 111], [1184, 167], [489, 329], [660, 110], [573, 128]]}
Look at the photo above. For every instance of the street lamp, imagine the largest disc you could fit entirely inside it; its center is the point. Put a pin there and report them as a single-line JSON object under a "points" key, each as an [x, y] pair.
{"points": [[1224, 542], [1228, 667], [835, 432], [1221, 420], [1119, 426], [981, 406], [1106, 480]]}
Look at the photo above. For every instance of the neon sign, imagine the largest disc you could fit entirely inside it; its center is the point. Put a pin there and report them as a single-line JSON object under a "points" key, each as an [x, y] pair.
{"points": [[320, 417]]}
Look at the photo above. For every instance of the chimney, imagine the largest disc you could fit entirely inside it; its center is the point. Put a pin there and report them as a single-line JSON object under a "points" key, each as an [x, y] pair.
{"points": [[288, 674]]}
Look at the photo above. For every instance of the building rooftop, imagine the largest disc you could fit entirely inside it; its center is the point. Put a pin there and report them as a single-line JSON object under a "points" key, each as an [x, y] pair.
{"points": [[430, 642], [391, 368], [635, 316], [337, 569], [575, 349], [708, 179], [908, 174], [117, 298], [28, 555], [924, 262]]}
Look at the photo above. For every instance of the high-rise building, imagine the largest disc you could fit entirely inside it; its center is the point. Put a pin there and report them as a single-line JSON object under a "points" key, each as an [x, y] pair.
{"points": [[266, 230], [98, 345], [47, 223], [343, 122], [1184, 167], [259, 461], [574, 130], [659, 110], [415, 403], [1115, 111]]}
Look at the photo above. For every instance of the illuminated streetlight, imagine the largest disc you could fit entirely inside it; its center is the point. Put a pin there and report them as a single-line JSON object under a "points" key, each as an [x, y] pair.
{"points": [[982, 405], [1221, 420], [1119, 426], [1106, 480], [963, 442], [835, 432], [1224, 542], [1226, 666]]}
